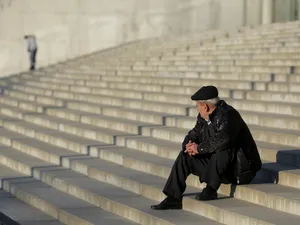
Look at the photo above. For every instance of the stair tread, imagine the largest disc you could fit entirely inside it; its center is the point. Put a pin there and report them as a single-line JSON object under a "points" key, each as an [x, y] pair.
{"points": [[105, 190], [62, 201], [22, 213], [122, 196]]}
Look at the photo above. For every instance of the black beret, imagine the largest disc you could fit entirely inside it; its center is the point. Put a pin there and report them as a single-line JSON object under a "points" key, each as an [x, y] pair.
{"points": [[205, 93]]}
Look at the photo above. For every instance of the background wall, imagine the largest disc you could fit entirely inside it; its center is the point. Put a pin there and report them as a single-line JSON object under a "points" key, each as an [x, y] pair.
{"points": [[70, 28]]}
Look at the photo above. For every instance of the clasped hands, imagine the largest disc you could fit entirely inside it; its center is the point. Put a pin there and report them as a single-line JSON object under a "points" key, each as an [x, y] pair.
{"points": [[191, 148]]}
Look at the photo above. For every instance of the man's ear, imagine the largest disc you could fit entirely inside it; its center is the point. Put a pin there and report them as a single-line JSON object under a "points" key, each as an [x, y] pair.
{"points": [[206, 107]]}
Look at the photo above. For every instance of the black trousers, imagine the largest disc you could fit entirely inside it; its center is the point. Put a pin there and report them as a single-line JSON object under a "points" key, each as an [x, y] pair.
{"points": [[32, 56], [212, 169]]}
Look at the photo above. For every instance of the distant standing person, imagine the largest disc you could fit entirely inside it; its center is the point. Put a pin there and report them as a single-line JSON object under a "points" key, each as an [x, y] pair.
{"points": [[32, 49]]}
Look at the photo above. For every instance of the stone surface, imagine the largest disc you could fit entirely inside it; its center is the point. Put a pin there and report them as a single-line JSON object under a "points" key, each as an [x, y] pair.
{"points": [[102, 132]]}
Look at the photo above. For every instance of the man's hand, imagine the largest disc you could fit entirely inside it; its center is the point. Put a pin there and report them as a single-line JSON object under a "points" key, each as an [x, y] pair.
{"points": [[194, 149], [191, 148]]}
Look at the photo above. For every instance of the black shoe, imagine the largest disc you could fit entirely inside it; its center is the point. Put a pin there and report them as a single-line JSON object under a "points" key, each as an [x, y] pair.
{"points": [[207, 194], [168, 203]]}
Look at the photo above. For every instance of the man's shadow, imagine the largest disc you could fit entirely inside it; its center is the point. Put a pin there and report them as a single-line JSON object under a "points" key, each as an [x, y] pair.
{"points": [[285, 160]]}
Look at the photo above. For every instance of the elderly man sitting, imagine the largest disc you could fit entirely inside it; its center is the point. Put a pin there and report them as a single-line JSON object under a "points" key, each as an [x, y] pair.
{"points": [[219, 149]]}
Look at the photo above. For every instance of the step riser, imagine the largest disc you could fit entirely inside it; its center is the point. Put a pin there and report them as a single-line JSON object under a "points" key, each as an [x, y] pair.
{"points": [[249, 118], [258, 135], [11, 113], [60, 142], [22, 105], [33, 98], [143, 190], [42, 205], [95, 121], [240, 192], [83, 194], [94, 135], [250, 106], [41, 122], [285, 158]]}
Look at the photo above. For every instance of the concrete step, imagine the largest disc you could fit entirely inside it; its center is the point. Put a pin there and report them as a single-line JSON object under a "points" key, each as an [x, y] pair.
{"points": [[191, 85], [185, 99], [117, 88], [241, 192], [281, 62], [286, 155], [278, 108], [146, 116], [270, 96], [113, 200], [77, 137], [251, 118], [147, 96], [282, 174], [270, 135], [283, 87], [26, 131], [56, 204], [154, 164], [253, 77], [207, 68], [240, 51], [91, 132], [4, 118], [50, 153], [213, 56], [40, 89], [42, 99], [22, 144], [23, 104], [145, 185], [223, 62], [70, 127], [118, 101], [158, 96], [13, 112], [120, 124], [16, 212], [294, 79]]}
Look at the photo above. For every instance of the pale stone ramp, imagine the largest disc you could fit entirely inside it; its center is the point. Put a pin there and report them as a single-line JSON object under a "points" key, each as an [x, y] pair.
{"points": [[93, 140]]}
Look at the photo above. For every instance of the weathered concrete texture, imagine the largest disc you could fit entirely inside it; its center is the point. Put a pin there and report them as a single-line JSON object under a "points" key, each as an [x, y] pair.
{"points": [[86, 26], [92, 141], [22, 213]]}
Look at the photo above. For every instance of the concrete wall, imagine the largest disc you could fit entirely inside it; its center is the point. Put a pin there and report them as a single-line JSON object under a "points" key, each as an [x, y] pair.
{"points": [[70, 28], [284, 10]]}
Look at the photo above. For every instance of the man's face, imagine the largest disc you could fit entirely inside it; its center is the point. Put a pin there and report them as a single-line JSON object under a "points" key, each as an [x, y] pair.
{"points": [[202, 109]]}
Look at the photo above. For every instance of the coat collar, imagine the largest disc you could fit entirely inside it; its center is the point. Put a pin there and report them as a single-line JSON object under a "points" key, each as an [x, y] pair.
{"points": [[218, 109]]}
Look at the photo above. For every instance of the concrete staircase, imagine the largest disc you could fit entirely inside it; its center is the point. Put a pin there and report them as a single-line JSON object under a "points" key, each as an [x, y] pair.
{"points": [[93, 140]]}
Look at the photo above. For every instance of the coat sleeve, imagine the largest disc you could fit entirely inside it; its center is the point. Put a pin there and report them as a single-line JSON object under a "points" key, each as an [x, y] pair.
{"points": [[225, 136], [193, 134]]}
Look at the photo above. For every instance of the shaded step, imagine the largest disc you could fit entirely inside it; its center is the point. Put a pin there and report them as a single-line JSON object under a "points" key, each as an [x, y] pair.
{"points": [[112, 199], [16, 212], [155, 165], [67, 209], [88, 187]]}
